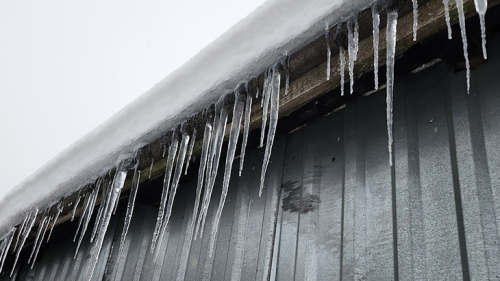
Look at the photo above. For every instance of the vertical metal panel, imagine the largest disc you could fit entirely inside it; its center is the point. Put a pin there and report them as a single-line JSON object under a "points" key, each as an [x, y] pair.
{"points": [[234, 263], [353, 255], [476, 122], [292, 182], [225, 227], [433, 216], [271, 194], [410, 230]]}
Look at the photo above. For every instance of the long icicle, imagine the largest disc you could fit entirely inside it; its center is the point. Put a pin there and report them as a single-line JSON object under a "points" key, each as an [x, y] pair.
{"points": [[105, 186], [353, 41], [246, 130], [175, 182], [20, 230], [59, 210], [287, 72], [172, 151], [37, 237], [75, 207], [481, 7], [86, 204], [239, 107], [191, 147], [25, 235], [7, 241], [221, 122], [266, 89], [131, 201], [328, 51], [415, 19], [376, 31], [211, 155], [151, 167], [207, 136], [273, 121], [392, 21], [461, 19], [446, 4], [339, 39], [88, 215], [113, 196], [39, 244]]}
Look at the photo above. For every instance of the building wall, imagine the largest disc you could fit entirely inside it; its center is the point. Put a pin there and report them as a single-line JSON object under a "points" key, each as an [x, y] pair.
{"points": [[333, 208]]}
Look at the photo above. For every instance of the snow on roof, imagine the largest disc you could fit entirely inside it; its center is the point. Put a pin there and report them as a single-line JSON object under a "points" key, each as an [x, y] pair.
{"points": [[276, 28]]}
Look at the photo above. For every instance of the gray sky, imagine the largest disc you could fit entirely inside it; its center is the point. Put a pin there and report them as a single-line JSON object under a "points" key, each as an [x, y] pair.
{"points": [[67, 66]]}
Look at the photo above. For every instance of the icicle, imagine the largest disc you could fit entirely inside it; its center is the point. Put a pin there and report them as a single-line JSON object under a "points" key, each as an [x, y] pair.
{"points": [[191, 147], [75, 207], [25, 235], [273, 121], [88, 214], [3, 253], [447, 16], [117, 201], [392, 21], [112, 197], [415, 19], [172, 151], [104, 197], [264, 88], [376, 31], [214, 157], [461, 18], [481, 7], [3, 250], [246, 130], [20, 230], [266, 93], [59, 210], [239, 107], [328, 51], [6, 242], [37, 239], [287, 82], [130, 206], [207, 136], [210, 161], [353, 39], [151, 167], [86, 204], [339, 39], [40, 243], [175, 182]]}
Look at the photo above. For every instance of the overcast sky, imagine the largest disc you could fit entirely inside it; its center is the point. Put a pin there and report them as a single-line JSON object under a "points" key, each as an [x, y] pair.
{"points": [[67, 66]]}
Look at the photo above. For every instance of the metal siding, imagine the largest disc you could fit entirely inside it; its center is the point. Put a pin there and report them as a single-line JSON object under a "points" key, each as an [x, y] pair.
{"points": [[333, 208]]}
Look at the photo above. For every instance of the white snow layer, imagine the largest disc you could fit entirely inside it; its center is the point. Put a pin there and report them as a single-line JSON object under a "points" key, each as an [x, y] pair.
{"points": [[244, 51]]}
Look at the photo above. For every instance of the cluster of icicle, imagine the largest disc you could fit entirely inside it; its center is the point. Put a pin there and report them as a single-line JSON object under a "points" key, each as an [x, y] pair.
{"points": [[181, 139], [216, 119], [109, 200], [17, 236], [391, 7]]}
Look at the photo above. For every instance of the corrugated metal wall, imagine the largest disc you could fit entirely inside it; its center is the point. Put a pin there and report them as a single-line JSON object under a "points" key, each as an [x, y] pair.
{"points": [[333, 208]]}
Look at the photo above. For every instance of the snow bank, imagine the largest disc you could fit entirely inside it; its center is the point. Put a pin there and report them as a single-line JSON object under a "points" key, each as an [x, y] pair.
{"points": [[244, 51]]}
